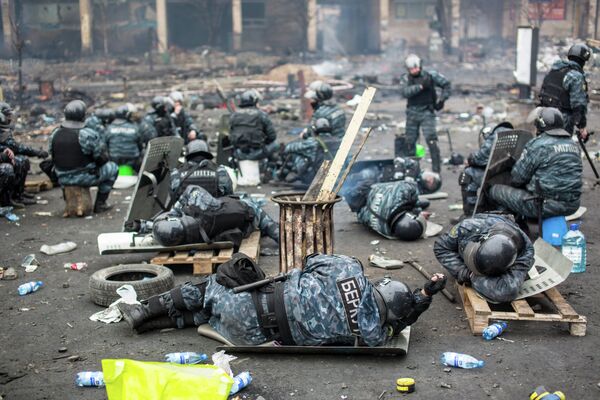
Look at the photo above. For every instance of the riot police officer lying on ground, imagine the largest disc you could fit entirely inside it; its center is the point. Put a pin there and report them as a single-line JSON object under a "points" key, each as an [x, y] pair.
{"points": [[329, 301], [488, 252]]}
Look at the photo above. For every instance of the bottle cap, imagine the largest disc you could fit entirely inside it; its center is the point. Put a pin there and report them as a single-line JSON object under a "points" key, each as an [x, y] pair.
{"points": [[405, 385], [574, 227]]}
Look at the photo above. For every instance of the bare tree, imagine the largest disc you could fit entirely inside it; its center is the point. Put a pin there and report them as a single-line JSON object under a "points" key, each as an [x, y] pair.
{"points": [[18, 44]]}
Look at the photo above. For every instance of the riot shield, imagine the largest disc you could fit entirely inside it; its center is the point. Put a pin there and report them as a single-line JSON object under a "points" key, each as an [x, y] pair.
{"points": [[152, 189], [506, 150]]}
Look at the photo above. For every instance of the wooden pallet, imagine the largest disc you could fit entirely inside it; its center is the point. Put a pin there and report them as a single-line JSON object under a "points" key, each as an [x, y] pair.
{"points": [[36, 185], [480, 313], [203, 262]]}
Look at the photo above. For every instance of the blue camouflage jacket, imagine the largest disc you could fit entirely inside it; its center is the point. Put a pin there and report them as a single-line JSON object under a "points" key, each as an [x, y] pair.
{"points": [[91, 144], [448, 250], [334, 114], [407, 90]]}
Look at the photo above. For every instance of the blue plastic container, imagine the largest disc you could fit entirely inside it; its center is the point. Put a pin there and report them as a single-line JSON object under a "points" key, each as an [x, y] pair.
{"points": [[553, 230]]}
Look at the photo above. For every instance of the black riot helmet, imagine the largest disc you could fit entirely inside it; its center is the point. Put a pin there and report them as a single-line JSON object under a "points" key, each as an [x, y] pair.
{"points": [[319, 91], [408, 226], [548, 118], [496, 252], [106, 115], [125, 111], [579, 53], [429, 182], [394, 300], [6, 113], [196, 148], [173, 231], [75, 111], [249, 98], [321, 126], [159, 105]]}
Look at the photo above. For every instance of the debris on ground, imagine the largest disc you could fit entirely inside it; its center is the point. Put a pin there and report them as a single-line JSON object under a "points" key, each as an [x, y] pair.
{"points": [[64, 247]]}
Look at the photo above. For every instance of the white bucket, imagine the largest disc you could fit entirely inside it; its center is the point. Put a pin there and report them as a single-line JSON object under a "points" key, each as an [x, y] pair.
{"points": [[250, 173]]}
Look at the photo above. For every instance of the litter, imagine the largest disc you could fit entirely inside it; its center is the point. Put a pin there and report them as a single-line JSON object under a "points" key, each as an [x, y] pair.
{"points": [[187, 357], [30, 263], [58, 248], [7, 213], [461, 360], [240, 381], [90, 379], [384, 262], [78, 266], [29, 287], [494, 330], [112, 313], [8, 274], [43, 213]]}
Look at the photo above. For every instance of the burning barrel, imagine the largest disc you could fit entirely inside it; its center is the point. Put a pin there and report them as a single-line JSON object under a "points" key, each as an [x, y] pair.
{"points": [[305, 227]]}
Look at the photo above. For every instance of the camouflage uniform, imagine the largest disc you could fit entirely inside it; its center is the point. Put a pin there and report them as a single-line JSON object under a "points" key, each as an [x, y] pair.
{"points": [[103, 176], [422, 114], [185, 123], [7, 181], [553, 161], [154, 125], [448, 250], [386, 200], [334, 114], [575, 84], [21, 151], [305, 156], [471, 178], [252, 134], [313, 305], [195, 200], [124, 142], [224, 183], [95, 123]]}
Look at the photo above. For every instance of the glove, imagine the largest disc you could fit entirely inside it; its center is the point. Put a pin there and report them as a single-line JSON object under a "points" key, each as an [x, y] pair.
{"points": [[464, 277], [43, 154], [439, 105], [432, 287]]}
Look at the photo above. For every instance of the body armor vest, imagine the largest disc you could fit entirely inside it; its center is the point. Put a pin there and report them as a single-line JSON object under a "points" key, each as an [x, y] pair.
{"points": [[66, 150], [552, 93], [427, 96]]}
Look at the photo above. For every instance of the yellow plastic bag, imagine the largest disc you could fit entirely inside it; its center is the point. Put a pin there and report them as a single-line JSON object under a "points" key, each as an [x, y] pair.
{"points": [[133, 380]]}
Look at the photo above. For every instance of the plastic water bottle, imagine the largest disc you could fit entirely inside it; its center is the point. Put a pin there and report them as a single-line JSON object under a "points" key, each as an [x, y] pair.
{"points": [[78, 266], [494, 330], [90, 378], [29, 287], [573, 247], [187, 357], [240, 381], [461, 360]]}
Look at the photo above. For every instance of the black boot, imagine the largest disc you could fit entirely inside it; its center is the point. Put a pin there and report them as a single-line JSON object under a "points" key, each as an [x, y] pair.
{"points": [[137, 314], [434, 151], [100, 205], [163, 322]]}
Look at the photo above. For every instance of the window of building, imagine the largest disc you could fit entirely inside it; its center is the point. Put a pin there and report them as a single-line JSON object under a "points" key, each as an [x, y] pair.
{"points": [[253, 13], [414, 9]]}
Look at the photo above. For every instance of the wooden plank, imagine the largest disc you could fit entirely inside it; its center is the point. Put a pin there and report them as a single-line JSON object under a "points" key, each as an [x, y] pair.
{"points": [[319, 230], [310, 231], [346, 145], [561, 304], [313, 190], [251, 245], [180, 256], [223, 256], [289, 239], [341, 181], [480, 306], [298, 221], [327, 231], [522, 308]]}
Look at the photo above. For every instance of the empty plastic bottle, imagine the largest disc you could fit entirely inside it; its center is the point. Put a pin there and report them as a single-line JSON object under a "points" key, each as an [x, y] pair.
{"points": [[461, 360], [574, 248], [187, 357], [78, 266], [494, 330], [29, 287], [240, 381], [90, 378]]}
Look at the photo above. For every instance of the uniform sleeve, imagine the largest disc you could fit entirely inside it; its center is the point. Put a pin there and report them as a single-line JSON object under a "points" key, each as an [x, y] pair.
{"points": [[300, 146], [224, 182], [139, 136], [19, 148], [523, 170], [480, 157], [49, 142], [446, 251], [407, 90], [574, 82], [92, 144], [147, 129], [442, 82], [269, 130]]}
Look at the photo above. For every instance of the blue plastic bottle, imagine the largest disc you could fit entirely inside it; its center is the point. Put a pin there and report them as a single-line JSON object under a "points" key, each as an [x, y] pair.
{"points": [[240, 381], [461, 360], [494, 330], [187, 357], [29, 287], [90, 378], [574, 248]]}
